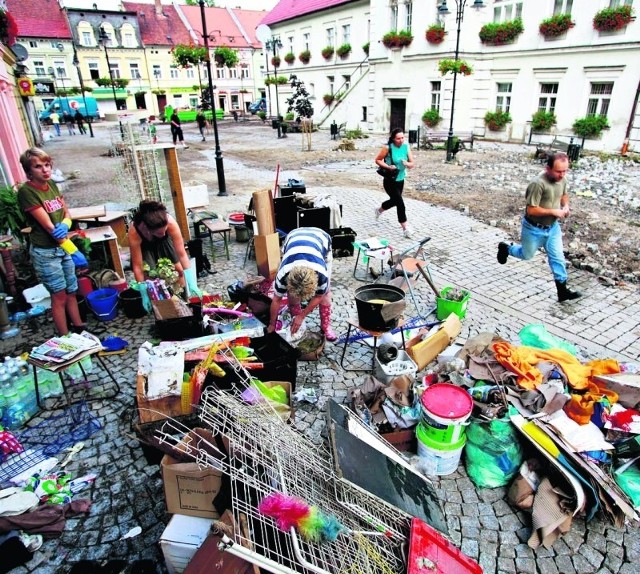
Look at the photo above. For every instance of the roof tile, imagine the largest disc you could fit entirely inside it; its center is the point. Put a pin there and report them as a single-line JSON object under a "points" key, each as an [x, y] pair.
{"points": [[39, 19], [156, 29], [288, 9]]}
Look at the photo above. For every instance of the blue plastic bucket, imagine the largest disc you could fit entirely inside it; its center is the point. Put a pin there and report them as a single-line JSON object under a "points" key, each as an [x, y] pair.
{"points": [[104, 303]]}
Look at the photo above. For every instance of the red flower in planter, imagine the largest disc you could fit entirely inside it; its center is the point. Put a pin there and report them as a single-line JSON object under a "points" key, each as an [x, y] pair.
{"points": [[611, 19], [435, 34]]}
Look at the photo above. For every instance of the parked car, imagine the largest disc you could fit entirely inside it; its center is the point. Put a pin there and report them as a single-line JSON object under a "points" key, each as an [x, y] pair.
{"points": [[258, 106]]}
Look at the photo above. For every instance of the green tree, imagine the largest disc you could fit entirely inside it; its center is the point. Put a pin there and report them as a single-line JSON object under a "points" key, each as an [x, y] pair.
{"points": [[210, 3], [186, 56]]}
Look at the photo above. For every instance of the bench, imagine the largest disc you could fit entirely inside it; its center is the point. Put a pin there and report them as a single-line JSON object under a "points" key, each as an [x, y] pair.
{"points": [[431, 138], [570, 148]]}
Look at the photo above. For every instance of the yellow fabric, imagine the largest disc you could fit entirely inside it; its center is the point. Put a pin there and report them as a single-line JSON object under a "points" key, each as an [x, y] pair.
{"points": [[67, 222], [69, 246], [523, 360]]}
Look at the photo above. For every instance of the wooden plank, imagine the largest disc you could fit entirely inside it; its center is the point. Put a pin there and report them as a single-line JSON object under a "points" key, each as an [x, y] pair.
{"points": [[157, 409], [175, 183]]}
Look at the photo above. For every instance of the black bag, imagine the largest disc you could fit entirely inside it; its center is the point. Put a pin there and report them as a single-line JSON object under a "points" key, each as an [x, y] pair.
{"points": [[385, 172]]}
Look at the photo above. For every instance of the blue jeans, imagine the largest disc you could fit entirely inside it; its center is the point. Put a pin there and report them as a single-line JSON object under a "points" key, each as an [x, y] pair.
{"points": [[57, 128], [55, 269], [533, 238]]}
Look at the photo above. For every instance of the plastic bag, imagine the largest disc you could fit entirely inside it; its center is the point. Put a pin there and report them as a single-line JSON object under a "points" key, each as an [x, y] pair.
{"points": [[629, 482], [535, 335], [493, 454]]}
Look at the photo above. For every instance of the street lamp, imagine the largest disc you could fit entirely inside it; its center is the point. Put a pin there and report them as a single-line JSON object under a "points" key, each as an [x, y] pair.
{"points": [[443, 10], [104, 40], [222, 187], [60, 71], [274, 44], [76, 63]]}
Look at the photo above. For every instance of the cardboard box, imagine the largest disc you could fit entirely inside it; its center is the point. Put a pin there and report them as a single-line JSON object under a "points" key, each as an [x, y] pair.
{"points": [[267, 248], [188, 489], [423, 351], [265, 216], [181, 539], [156, 409]]}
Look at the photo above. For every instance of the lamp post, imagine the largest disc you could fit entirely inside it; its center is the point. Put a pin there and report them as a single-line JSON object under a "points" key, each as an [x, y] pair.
{"points": [[60, 72], [274, 44], [76, 63], [222, 187], [443, 10], [104, 40], [268, 86]]}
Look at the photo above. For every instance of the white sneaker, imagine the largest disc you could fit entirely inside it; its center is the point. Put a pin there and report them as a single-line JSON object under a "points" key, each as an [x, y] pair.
{"points": [[407, 232], [377, 213]]}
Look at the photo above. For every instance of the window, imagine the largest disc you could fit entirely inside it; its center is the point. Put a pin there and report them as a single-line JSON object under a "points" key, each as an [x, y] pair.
{"points": [[312, 90], [331, 37], [174, 73], [38, 68], [506, 11], [128, 40], [193, 101], [114, 70], [94, 70], [599, 99], [305, 40], [547, 98], [54, 44], [562, 7], [235, 103], [436, 89], [157, 71], [205, 74], [617, 3], [503, 99], [346, 34], [364, 113], [290, 43], [60, 69], [177, 101], [220, 73], [189, 73], [331, 81], [33, 44], [346, 82], [244, 72], [233, 73], [394, 14], [134, 69], [87, 39], [408, 15]]}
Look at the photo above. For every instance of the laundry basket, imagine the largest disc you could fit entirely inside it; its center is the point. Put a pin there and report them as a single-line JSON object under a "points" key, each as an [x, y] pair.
{"points": [[402, 365]]}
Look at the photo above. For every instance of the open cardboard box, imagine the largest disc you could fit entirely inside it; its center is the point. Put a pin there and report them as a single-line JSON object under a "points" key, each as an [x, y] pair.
{"points": [[423, 351], [189, 489]]}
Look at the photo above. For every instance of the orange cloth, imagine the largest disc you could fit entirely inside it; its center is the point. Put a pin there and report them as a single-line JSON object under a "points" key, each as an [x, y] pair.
{"points": [[523, 360]]}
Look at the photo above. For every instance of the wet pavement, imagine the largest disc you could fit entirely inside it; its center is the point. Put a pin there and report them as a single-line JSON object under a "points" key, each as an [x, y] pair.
{"points": [[605, 322]]}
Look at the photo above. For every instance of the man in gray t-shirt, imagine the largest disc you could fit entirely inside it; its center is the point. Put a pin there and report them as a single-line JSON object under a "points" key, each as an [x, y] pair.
{"points": [[547, 201]]}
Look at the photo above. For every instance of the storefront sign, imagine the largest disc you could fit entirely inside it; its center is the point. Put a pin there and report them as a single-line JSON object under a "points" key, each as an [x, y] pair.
{"points": [[25, 85], [44, 88]]}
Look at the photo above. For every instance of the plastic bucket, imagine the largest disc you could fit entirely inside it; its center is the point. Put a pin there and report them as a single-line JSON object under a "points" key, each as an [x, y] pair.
{"points": [[369, 302], [131, 302], [444, 307], [119, 285], [104, 303], [438, 458], [447, 404]]}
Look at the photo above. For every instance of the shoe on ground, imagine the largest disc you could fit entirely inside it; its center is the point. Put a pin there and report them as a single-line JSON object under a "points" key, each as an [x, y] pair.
{"points": [[407, 232], [330, 335], [377, 213], [566, 294], [503, 252]]}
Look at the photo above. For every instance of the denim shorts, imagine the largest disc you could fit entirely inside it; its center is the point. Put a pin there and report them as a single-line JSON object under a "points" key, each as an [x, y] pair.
{"points": [[55, 269]]}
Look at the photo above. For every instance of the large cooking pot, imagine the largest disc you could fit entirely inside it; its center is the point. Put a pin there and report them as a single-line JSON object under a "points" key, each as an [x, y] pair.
{"points": [[370, 299]]}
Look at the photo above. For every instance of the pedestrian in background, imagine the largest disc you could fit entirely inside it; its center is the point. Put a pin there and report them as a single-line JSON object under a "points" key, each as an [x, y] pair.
{"points": [[397, 156], [53, 255], [547, 202], [176, 129], [69, 121], [153, 132], [55, 120], [80, 122], [202, 123]]}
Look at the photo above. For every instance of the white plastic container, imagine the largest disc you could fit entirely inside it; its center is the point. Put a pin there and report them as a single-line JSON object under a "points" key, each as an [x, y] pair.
{"points": [[402, 365], [38, 295], [181, 539]]}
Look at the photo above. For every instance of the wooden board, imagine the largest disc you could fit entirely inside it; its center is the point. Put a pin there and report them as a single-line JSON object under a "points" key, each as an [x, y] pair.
{"points": [[157, 409], [377, 468]]}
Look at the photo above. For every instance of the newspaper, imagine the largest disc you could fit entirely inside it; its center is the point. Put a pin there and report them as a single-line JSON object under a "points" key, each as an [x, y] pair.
{"points": [[66, 348]]}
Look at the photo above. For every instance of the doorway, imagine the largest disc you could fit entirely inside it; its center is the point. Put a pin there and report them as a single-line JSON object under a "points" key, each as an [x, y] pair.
{"points": [[398, 113], [141, 102], [162, 103]]}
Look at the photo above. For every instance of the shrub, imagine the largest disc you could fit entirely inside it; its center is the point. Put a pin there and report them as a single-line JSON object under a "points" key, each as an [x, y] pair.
{"points": [[590, 126], [399, 39], [343, 51], [327, 52], [556, 25], [365, 48], [435, 34], [224, 56], [542, 121], [304, 56], [458, 66], [432, 118], [290, 58], [612, 18], [502, 33], [275, 61], [289, 116], [187, 55], [262, 115], [497, 120]]}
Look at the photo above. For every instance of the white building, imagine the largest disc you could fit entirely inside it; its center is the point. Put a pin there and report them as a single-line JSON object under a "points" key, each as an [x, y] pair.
{"points": [[581, 72]]}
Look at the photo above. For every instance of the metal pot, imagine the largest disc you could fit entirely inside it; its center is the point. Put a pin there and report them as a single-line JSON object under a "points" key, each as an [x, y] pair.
{"points": [[370, 299]]}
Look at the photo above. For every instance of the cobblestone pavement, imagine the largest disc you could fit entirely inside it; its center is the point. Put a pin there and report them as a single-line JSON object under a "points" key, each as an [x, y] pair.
{"points": [[604, 323]]}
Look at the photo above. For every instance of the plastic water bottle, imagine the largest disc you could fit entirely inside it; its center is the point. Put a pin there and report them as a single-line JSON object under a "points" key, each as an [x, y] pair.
{"points": [[87, 364], [14, 415]]}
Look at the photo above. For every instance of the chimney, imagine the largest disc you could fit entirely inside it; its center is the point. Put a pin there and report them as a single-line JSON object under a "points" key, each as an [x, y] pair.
{"points": [[158, 7]]}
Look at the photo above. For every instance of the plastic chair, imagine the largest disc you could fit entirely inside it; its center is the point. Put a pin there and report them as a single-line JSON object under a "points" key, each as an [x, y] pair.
{"points": [[407, 267]]}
